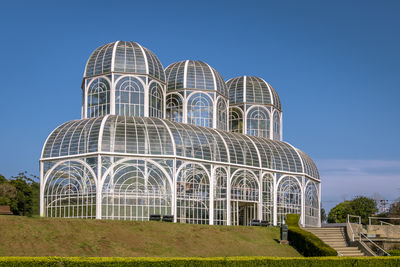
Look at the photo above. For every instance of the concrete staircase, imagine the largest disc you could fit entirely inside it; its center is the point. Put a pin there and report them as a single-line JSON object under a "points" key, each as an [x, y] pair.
{"points": [[336, 238]]}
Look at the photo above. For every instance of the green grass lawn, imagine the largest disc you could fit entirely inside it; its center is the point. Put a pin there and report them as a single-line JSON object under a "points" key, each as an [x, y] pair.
{"points": [[22, 236]]}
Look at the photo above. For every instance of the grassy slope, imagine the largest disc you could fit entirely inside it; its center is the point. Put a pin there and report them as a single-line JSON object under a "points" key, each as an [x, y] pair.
{"points": [[21, 236]]}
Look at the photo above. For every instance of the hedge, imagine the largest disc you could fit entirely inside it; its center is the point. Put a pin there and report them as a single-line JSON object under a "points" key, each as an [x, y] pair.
{"points": [[218, 261], [305, 242], [231, 261], [394, 252]]}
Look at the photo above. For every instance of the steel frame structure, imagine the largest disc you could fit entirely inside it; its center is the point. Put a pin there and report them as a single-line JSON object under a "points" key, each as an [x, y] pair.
{"points": [[144, 146]]}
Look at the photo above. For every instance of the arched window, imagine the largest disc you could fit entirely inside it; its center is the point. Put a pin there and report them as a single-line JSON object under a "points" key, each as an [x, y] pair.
{"points": [[192, 195], [235, 120], [220, 197], [200, 110], [268, 197], [288, 198], [277, 126], [174, 108], [135, 189], [98, 98], [156, 99], [70, 191], [244, 186], [258, 122], [311, 204], [221, 114], [129, 97]]}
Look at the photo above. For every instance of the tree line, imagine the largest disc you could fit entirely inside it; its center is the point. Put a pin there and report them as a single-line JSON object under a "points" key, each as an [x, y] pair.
{"points": [[364, 207], [21, 193]]}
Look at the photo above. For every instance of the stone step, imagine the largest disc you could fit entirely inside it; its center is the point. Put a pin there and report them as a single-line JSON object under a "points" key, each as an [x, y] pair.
{"points": [[332, 239], [349, 248], [353, 255], [336, 239], [342, 245]]}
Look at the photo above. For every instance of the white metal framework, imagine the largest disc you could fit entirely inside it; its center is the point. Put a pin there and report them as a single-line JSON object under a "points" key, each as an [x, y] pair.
{"points": [[196, 94], [255, 108], [140, 150]]}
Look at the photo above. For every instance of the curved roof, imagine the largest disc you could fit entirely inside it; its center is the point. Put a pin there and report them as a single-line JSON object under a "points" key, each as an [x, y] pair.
{"points": [[157, 137], [126, 57], [253, 90], [192, 74]]}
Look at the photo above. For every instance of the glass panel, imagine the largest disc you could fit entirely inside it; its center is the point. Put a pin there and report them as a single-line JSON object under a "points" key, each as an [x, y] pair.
{"points": [[129, 97]]}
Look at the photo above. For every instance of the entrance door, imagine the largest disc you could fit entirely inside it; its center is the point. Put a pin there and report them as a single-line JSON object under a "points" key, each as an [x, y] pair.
{"points": [[243, 212]]}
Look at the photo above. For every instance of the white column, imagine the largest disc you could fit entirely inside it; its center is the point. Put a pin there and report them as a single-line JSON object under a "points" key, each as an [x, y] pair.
{"points": [[271, 123], [319, 204], [303, 202], [228, 196], [112, 95], [214, 118], [281, 126], [260, 197], [275, 210], [146, 98], [174, 178], [41, 198], [84, 103], [164, 87], [211, 209], [98, 188]]}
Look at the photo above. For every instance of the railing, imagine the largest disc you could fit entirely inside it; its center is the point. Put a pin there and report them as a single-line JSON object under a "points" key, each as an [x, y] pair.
{"points": [[349, 224], [381, 218], [373, 243]]}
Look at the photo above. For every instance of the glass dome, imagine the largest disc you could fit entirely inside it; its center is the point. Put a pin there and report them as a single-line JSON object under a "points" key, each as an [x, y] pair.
{"points": [[252, 90], [124, 57], [192, 74]]}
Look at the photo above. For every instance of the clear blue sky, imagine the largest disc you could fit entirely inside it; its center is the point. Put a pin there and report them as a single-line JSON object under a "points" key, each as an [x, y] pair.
{"points": [[335, 65]]}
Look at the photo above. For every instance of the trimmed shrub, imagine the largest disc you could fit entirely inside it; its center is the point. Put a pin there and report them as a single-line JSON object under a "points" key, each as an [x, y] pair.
{"points": [[305, 242], [218, 261], [394, 252]]}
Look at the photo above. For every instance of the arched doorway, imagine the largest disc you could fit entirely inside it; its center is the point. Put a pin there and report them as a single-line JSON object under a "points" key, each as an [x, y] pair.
{"points": [[244, 197]]}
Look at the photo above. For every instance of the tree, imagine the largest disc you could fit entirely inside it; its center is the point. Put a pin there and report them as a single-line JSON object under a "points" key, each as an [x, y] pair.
{"points": [[360, 205], [364, 207], [8, 193], [3, 179], [27, 194], [394, 212], [23, 197], [338, 214]]}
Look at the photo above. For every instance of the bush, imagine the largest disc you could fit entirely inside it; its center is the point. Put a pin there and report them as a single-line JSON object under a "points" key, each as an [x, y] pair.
{"points": [[218, 261], [394, 252], [305, 242]]}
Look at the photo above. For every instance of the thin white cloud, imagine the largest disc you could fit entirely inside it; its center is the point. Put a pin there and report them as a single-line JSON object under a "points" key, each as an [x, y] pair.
{"points": [[345, 179]]}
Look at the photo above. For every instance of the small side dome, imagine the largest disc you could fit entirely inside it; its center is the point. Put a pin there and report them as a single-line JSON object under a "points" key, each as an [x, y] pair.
{"points": [[252, 90], [125, 57], [192, 74]]}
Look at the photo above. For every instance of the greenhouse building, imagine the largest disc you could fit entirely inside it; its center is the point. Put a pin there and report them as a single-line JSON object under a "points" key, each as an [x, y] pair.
{"points": [[178, 141]]}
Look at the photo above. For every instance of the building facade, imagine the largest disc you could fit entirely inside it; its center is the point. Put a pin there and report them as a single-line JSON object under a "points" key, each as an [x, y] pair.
{"points": [[179, 142]]}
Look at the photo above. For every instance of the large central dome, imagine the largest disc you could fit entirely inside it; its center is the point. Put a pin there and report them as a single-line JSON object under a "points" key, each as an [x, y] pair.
{"points": [[125, 57]]}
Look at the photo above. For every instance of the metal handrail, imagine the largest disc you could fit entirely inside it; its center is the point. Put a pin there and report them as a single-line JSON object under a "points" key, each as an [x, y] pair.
{"points": [[349, 224], [382, 222], [372, 242], [381, 218]]}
